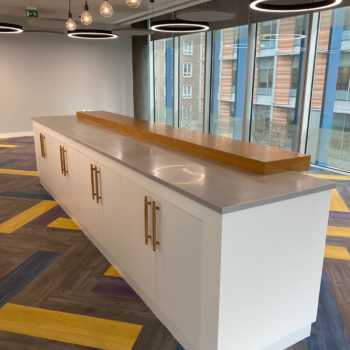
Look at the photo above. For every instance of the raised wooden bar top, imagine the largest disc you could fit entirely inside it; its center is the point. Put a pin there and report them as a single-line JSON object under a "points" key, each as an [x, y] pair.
{"points": [[259, 159]]}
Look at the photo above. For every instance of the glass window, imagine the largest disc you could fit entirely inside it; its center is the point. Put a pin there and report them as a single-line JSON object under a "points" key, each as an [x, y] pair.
{"points": [[192, 81], [265, 75], [188, 47], [268, 31], [187, 91], [164, 81], [329, 126], [275, 117], [229, 67], [187, 70]]}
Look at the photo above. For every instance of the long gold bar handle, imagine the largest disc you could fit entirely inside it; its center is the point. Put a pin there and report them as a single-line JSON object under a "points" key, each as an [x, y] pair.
{"points": [[92, 171], [155, 241], [61, 159], [98, 185], [147, 203], [42, 146], [65, 162]]}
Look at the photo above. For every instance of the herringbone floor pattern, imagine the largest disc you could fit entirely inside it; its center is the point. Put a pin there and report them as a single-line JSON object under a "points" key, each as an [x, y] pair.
{"points": [[50, 273]]}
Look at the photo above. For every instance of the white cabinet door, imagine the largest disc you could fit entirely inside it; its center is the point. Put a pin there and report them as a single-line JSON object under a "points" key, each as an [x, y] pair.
{"points": [[179, 272], [84, 206], [110, 227], [47, 160], [137, 257]]}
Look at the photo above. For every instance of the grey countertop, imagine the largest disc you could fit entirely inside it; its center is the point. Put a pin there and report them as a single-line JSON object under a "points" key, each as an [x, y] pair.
{"points": [[217, 187]]}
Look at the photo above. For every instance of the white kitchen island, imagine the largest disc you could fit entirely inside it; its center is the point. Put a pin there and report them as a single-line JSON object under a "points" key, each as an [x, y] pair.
{"points": [[226, 259]]}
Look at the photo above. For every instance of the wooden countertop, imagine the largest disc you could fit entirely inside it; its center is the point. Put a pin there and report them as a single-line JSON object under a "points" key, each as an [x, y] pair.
{"points": [[259, 159]]}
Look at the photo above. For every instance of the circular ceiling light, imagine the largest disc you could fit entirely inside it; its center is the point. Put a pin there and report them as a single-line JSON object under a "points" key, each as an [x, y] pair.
{"points": [[178, 26], [92, 34], [308, 5], [7, 28]]}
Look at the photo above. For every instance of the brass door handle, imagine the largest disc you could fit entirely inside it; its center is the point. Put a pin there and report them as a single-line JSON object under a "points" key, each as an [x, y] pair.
{"points": [[65, 161], [147, 203], [42, 146], [92, 173], [155, 241], [98, 186], [61, 159]]}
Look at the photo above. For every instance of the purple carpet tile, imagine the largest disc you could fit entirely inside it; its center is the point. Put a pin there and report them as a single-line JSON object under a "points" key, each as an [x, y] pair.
{"points": [[114, 287]]}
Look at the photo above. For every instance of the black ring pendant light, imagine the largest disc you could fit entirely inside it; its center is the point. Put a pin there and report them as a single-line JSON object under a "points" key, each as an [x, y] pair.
{"points": [[179, 26], [307, 5], [7, 28], [92, 34]]}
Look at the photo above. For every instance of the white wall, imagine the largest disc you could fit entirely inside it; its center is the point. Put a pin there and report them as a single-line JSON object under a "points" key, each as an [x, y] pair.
{"points": [[48, 74]]}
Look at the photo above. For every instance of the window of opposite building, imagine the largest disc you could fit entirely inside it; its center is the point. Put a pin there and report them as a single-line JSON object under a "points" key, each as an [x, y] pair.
{"points": [[267, 32], [188, 47], [265, 75], [343, 81], [187, 70], [187, 91]]}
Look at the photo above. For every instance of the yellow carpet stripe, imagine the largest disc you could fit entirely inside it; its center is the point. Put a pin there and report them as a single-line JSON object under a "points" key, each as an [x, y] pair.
{"points": [[337, 202], [16, 222], [64, 224], [18, 172], [8, 146], [338, 231], [112, 272], [68, 328], [337, 253], [329, 176]]}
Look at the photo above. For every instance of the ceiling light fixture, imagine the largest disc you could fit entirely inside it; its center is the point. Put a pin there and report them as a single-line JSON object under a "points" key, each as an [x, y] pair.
{"points": [[106, 9], [86, 16], [179, 27], [7, 28], [134, 4], [71, 25], [309, 5], [92, 34]]}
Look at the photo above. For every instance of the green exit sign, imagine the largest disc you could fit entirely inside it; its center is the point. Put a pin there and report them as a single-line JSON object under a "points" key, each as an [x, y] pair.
{"points": [[32, 12]]}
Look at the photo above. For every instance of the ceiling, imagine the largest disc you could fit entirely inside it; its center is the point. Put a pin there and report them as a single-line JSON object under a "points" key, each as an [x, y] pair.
{"points": [[53, 13]]}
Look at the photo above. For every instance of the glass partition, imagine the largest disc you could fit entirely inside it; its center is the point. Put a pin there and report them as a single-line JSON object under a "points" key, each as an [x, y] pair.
{"points": [[229, 65], [329, 123], [164, 81], [279, 67], [192, 53]]}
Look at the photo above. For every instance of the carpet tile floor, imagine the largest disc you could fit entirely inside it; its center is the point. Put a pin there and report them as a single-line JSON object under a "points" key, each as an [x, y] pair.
{"points": [[57, 292]]}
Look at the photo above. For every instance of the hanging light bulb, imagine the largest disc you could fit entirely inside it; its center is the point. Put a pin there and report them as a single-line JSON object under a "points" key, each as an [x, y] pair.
{"points": [[86, 16], [134, 4], [71, 25], [106, 9]]}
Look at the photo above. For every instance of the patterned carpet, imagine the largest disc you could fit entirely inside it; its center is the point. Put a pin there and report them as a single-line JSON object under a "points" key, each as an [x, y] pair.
{"points": [[58, 292]]}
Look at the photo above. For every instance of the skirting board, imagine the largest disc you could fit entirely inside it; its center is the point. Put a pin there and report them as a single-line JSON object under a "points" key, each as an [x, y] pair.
{"points": [[11, 135]]}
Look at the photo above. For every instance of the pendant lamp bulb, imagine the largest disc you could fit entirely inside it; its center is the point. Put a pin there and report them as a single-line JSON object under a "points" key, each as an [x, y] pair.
{"points": [[134, 4], [71, 25], [106, 9], [86, 16]]}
